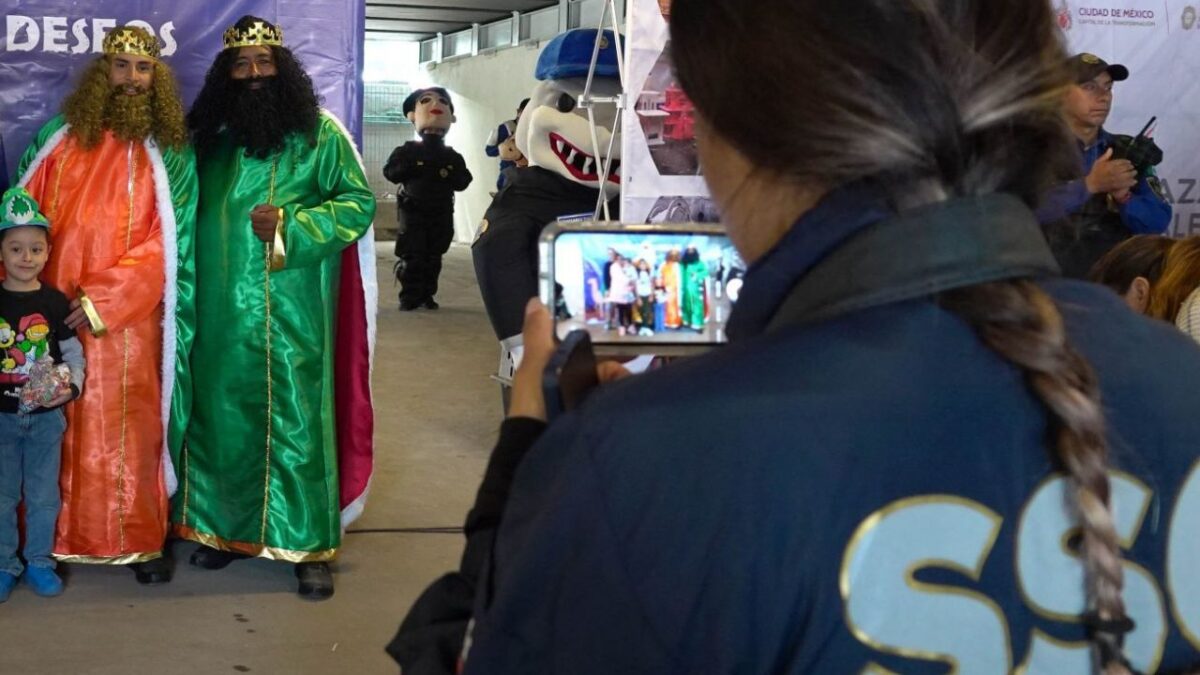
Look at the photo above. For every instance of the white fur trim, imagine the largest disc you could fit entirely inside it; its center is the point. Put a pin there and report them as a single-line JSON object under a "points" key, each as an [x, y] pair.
{"points": [[370, 284], [48, 148], [166, 216], [366, 255], [166, 212], [355, 508]]}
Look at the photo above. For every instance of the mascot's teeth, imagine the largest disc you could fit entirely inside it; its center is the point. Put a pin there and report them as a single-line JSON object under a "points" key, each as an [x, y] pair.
{"points": [[587, 166], [571, 157], [560, 146]]}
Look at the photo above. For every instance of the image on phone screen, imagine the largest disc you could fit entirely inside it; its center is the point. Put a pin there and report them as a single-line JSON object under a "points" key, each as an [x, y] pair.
{"points": [[646, 287]]}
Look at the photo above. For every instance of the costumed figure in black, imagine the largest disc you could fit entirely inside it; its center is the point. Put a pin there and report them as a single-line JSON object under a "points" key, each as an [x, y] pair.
{"points": [[428, 172], [564, 180]]}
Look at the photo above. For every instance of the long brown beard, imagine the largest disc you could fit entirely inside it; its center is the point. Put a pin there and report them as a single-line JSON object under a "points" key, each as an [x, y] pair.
{"points": [[87, 109], [129, 117]]}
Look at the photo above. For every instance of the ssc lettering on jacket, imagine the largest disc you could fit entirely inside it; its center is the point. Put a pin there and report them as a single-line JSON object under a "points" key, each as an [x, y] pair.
{"points": [[893, 611]]}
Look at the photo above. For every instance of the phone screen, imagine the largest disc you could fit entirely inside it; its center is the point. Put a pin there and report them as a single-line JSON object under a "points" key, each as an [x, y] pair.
{"points": [[646, 288]]}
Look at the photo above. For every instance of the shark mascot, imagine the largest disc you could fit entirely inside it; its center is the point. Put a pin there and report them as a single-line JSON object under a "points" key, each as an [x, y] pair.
{"points": [[562, 182]]}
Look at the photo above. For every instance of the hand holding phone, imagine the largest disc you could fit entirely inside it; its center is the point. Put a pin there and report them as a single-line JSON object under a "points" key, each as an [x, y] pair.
{"points": [[528, 394], [570, 375]]}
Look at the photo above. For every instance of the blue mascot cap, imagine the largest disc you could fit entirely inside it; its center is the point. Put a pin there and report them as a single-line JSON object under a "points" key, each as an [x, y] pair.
{"points": [[570, 55]]}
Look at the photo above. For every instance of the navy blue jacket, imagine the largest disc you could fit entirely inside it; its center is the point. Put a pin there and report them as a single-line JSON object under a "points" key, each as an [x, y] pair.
{"points": [[1146, 213], [1082, 227], [872, 487]]}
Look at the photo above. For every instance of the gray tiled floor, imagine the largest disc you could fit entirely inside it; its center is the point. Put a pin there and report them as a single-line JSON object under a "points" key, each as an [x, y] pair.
{"points": [[436, 417]]}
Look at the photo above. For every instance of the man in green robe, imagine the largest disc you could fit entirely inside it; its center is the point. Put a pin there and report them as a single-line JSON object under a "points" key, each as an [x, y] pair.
{"points": [[282, 194], [695, 278]]}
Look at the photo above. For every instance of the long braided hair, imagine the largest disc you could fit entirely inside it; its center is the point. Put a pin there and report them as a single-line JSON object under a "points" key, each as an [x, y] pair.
{"points": [[932, 99]]}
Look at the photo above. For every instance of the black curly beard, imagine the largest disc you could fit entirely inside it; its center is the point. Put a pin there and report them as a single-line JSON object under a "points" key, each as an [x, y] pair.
{"points": [[257, 118]]}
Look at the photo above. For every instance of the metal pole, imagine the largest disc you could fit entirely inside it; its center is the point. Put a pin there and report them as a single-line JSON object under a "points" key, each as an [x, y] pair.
{"points": [[588, 102], [612, 4]]}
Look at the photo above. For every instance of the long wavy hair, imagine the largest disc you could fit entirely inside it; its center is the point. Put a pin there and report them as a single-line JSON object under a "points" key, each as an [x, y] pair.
{"points": [[86, 108], [260, 123], [929, 100], [1142, 256], [1180, 276]]}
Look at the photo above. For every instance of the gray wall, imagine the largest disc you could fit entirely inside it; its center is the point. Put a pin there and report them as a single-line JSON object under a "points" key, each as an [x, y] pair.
{"points": [[486, 90]]}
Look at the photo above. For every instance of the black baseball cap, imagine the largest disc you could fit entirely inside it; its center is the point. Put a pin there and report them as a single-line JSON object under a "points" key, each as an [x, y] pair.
{"points": [[1087, 67]]}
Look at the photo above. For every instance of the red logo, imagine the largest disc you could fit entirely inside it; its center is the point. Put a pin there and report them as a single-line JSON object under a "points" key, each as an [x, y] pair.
{"points": [[1064, 16]]}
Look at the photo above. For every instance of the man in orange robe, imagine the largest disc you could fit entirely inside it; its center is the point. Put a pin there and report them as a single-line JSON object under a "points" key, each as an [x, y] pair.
{"points": [[116, 179]]}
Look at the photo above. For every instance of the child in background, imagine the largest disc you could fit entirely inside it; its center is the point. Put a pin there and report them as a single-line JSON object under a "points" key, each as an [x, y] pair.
{"points": [[645, 297], [32, 324], [621, 293]]}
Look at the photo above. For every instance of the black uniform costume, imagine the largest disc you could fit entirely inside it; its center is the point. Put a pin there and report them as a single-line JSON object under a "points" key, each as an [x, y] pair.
{"points": [[506, 251], [428, 172]]}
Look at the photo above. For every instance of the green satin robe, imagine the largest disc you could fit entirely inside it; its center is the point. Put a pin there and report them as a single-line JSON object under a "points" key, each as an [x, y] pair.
{"points": [[694, 276], [258, 473]]}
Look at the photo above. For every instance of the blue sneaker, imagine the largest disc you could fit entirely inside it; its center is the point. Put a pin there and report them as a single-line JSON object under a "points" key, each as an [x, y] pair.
{"points": [[43, 581], [7, 581]]}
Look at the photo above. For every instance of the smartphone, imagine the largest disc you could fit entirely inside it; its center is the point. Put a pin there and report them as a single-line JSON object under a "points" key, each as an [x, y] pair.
{"points": [[570, 376], [664, 289]]}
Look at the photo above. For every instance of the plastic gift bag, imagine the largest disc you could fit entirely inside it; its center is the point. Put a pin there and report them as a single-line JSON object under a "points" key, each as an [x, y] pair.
{"points": [[47, 381]]}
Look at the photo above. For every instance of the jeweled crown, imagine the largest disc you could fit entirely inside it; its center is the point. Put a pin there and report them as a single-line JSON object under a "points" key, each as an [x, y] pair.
{"points": [[259, 34], [131, 40]]}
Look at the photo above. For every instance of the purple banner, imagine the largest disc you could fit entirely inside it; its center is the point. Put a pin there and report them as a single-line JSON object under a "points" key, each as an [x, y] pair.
{"points": [[45, 44]]}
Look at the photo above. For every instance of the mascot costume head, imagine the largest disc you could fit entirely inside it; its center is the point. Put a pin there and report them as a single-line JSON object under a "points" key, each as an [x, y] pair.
{"points": [[554, 132], [564, 180], [431, 111]]}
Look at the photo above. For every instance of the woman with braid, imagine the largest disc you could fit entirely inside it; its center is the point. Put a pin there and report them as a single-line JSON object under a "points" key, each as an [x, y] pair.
{"points": [[923, 451]]}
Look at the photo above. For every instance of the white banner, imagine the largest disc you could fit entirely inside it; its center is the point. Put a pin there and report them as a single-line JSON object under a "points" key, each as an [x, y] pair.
{"points": [[660, 170]]}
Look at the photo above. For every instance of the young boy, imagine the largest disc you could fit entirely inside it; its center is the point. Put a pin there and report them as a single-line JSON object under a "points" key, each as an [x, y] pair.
{"points": [[32, 324]]}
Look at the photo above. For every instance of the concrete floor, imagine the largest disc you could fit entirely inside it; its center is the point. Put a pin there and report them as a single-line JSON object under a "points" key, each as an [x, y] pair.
{"points": [[437, 414]]}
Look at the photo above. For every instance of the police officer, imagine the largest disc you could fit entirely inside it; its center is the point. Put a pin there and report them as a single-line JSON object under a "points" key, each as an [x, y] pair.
{"points": [[1119, 195], [429, 173]]}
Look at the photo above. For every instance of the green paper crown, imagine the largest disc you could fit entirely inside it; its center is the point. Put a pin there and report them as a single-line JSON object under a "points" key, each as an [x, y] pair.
{"points": [[19, 209]]}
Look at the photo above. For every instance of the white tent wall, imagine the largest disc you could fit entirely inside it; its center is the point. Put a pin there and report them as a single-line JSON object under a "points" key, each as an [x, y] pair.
{"points": [[486, 90]]}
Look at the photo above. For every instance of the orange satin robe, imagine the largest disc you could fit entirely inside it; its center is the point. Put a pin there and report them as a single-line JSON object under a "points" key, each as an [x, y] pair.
{"points": [[107, 242], [672, 284]]}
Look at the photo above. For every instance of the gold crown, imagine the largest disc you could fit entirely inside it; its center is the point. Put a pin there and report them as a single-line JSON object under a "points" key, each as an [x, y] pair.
{"points": [[131, 40], [260, 34]]}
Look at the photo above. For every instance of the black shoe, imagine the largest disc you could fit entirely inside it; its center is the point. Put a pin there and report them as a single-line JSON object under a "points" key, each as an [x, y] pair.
{"points": [[152, 572], [212, 559], [408, 305], [431, 304], [316, 581]]}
